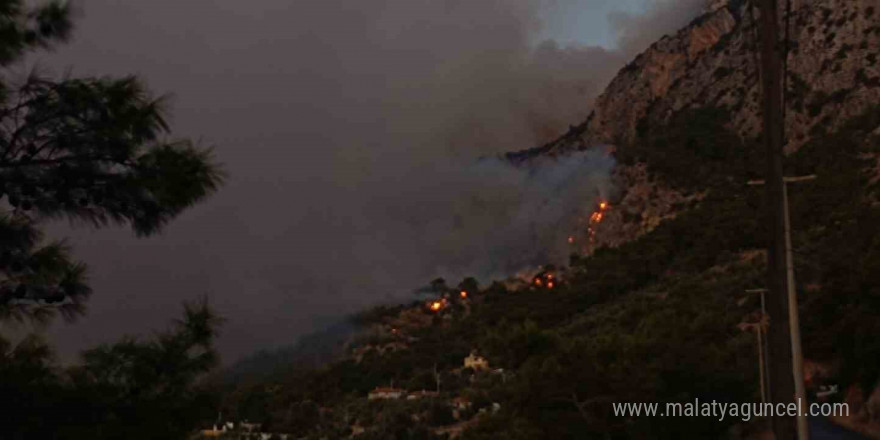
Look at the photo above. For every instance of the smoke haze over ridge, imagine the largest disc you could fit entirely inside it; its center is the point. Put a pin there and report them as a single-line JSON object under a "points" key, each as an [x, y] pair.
{"points": [[350, 131]]}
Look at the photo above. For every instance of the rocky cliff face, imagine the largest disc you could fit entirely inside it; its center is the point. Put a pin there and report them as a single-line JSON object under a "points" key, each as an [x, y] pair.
{"points": [[832, 75]]}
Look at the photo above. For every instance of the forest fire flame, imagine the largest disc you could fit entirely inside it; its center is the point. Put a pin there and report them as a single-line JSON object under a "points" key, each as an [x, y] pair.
{"points": [[595, 218], [545, 279], [436, 306]]}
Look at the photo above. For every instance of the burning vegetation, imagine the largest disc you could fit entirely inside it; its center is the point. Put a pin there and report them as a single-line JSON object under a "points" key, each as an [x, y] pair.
{"points": [[443, 296], [596, 217], [546, 279]]}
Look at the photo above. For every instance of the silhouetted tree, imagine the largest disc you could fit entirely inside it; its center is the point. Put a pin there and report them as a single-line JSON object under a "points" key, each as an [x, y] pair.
{"points": [[437, 287], [134, 389], [469, 285], [88, 149]]}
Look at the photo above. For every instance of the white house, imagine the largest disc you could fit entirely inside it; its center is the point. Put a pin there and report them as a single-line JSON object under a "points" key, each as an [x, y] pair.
{"points": [[385, 393], [476, 362]]}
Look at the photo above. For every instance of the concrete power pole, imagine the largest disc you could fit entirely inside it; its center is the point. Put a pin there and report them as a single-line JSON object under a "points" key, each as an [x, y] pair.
{"points": [[793, 319], [778, 334], [794, 322]]}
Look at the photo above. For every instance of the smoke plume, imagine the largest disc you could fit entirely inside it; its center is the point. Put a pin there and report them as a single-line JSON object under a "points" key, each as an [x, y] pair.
{"points": [[351, 131]]}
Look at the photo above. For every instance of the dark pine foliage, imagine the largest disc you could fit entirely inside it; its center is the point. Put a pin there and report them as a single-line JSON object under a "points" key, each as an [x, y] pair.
{"points": [[134, 389], [92, 150], [87, 149]]}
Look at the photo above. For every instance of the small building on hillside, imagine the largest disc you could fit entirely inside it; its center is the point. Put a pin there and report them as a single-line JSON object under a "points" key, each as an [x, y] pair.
{"points": [[218, 429], [385, 393], [213, 432], [476, 362]]}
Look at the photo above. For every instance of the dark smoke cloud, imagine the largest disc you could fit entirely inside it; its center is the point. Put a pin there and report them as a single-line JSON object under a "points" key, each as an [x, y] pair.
{"points": [[489, 218], [351, 131]]}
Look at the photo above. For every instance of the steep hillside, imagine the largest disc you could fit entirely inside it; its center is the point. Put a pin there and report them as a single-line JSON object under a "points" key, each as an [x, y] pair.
{"points": [[662, 318], [654, 309]]}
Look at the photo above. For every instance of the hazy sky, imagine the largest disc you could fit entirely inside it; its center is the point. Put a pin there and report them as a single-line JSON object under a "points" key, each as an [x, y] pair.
{"points": [[350, 130], [585, 21]]}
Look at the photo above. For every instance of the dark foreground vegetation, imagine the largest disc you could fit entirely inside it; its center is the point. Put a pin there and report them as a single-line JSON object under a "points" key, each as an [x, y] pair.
{"points": [[91, 150]]}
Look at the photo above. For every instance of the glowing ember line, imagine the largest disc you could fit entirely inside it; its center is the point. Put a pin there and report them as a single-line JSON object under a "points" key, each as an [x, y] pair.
{"points": [[592, 220]]}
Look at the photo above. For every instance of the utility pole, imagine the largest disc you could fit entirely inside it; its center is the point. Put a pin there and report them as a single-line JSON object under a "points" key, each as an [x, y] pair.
{"points": [[797, 354], [791, 294], [760, 328], [778, 335]]}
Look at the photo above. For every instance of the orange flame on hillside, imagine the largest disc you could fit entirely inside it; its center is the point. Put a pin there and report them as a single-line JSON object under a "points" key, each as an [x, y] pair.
{"points": [[595, 218], [436, 306]]}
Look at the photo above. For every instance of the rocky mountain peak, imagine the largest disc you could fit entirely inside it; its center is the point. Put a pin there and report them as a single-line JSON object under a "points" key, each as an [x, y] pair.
{"points": [[832, 70], [832, 76]]}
